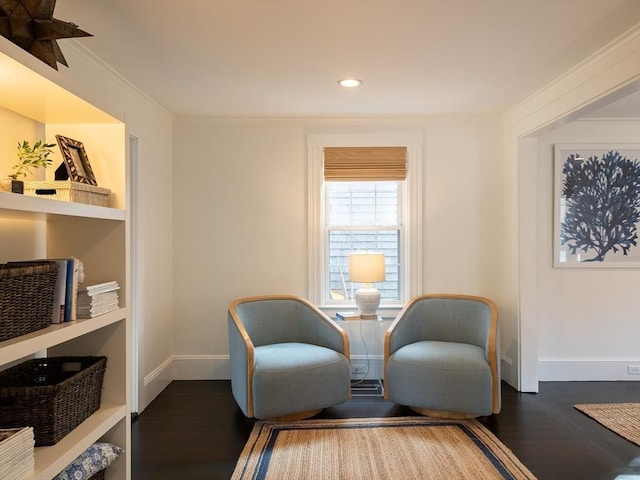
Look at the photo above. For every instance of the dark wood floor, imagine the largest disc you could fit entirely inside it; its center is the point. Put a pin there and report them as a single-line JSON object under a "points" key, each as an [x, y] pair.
{"points": [[194, 430]]}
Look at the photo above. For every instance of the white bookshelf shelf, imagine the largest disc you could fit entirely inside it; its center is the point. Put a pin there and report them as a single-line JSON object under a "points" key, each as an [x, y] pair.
{"points": [[14, 204], [25, 345]]}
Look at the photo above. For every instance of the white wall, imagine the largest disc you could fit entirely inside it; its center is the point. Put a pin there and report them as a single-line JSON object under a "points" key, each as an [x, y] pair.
{"points": [[462, 205], [17, 128], [240, 228], [589, 319], [241, 217], [18, 240]]}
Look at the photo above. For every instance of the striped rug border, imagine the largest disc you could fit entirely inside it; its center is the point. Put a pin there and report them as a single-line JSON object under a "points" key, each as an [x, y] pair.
{"points": [[249, 467]]}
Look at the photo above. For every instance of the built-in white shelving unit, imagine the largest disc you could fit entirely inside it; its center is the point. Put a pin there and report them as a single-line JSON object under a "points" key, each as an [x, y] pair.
{"points": [[33, 105]]}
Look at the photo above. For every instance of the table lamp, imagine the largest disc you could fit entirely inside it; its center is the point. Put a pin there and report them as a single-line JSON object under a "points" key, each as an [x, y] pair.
{"points": [[367, 268]]}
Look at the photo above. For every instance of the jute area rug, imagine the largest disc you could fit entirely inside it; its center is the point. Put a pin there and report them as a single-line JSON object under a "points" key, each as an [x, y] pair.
{"points": [[621, 418], [398, 448]]}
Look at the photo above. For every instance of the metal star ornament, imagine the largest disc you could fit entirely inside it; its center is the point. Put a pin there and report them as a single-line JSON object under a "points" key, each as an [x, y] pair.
{"points": [[30, 25]]}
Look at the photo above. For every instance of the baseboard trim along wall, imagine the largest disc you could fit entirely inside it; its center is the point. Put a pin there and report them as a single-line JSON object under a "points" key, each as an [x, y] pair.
{"points": [[201, 367], [507, 371], [217, 367], [586, 370], [154, 383]]}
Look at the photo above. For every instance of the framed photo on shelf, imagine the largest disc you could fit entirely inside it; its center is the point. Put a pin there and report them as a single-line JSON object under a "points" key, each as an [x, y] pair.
{"points": [[596, 206], [78, 168]]}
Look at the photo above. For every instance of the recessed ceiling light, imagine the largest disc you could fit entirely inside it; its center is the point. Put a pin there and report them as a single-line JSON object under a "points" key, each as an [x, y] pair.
{"points": [[350, 82]]}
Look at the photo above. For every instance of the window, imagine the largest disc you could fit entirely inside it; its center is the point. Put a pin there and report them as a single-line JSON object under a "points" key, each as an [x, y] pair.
{"points": [[362, 216], [353, 209]]}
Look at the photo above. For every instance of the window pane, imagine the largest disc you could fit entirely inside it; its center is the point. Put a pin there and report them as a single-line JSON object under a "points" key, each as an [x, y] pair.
{"points": [[342, 242], [362, 203]]}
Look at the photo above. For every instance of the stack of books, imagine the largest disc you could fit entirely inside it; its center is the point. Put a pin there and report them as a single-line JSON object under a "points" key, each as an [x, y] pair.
{"points": [[98, 299], [17, 459], [64, 305]]}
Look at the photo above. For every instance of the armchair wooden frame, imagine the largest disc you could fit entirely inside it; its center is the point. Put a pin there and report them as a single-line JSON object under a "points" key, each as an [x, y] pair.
{"points": [[490, 347]]}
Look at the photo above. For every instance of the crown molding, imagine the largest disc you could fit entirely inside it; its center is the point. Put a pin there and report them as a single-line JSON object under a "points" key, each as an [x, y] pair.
{"points": [[607, 70], [108, 71]]}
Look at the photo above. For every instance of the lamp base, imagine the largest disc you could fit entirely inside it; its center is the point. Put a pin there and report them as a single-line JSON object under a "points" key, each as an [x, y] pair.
{"points": [[368, 301]]}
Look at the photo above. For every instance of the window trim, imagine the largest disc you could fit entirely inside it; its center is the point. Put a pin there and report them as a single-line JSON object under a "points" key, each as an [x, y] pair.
{"points": [[411, 244]]}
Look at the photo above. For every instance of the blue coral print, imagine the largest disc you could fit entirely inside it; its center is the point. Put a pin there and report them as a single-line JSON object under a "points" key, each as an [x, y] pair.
{"points": [[602, 205]]}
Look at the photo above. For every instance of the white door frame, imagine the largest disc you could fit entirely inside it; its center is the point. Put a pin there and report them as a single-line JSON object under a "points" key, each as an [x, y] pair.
{"points": [[609, 74]]}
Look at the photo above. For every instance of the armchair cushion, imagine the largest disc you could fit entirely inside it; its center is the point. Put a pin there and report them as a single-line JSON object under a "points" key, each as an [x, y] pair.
{"points": [[446, 376], [285, 373]]}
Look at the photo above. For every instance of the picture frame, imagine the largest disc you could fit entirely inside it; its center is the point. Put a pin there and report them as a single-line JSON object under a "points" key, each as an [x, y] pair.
{"points": [[596, 206], [76, 162]]}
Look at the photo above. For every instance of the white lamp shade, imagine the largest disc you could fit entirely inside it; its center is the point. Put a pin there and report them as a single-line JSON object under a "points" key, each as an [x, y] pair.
{"points": [[366, 267]]}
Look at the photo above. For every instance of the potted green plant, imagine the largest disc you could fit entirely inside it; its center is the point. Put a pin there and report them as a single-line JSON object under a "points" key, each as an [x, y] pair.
{"points": [[29, 157]]}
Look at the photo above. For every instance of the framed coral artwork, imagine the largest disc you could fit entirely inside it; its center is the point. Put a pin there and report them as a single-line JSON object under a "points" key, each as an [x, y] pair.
{"points": [[597, 206]]}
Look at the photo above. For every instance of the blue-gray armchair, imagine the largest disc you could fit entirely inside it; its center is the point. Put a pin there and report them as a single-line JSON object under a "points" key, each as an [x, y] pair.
{"points": [[288, 359], [442, 356]]}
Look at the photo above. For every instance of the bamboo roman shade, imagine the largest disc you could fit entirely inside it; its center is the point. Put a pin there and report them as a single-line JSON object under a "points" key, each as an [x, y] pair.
{"points": [[369, 164]]}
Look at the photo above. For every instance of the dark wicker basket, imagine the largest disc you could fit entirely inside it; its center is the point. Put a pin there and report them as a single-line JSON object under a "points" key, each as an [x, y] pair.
{"points": [[99, 475], [53, 395], [26, 297]]}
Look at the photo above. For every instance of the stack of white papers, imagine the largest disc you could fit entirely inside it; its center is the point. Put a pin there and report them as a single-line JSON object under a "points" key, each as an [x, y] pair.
{"points": [[98, 299]]}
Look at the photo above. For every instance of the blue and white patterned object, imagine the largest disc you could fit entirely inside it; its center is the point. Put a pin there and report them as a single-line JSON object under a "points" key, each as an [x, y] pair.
{"points": [[95, 458]]}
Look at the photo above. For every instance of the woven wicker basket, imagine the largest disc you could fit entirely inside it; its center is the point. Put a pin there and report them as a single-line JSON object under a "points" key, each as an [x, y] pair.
{"points": [[69, 191], [53, 395], [26, 297]]}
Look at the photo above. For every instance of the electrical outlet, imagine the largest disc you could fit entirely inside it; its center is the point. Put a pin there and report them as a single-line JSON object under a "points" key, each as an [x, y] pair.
{"points": [[361, 369], [633, 369]]}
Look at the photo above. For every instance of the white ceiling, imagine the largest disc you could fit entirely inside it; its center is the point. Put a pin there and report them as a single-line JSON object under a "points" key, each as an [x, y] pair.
{"points": [[284, 57]]}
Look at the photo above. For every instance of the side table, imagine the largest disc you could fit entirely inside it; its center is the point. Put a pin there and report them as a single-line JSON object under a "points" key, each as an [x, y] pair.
{"points": [[366, 341]]}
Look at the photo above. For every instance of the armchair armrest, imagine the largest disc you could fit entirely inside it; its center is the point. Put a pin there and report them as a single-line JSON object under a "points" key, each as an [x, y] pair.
{"points": [[404, 329], [322, 330], [241, 351]]}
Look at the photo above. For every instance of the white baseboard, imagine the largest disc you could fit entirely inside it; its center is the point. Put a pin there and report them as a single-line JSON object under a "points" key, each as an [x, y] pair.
{"points": [[154, 383], [507, 371], [182, 367], [201, 367], [585, 370]]}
